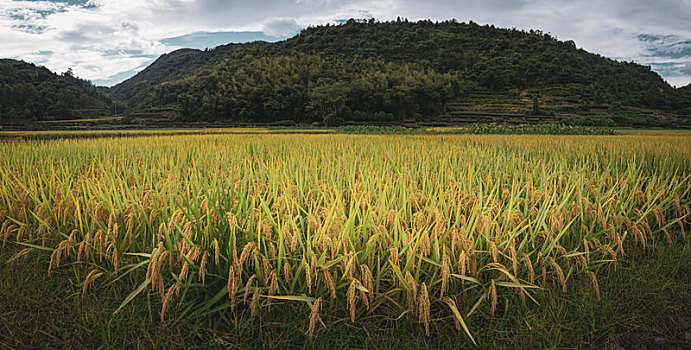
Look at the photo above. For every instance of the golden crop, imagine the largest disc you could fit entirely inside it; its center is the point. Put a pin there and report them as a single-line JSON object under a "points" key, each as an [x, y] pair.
{"points": [[367, 225]]}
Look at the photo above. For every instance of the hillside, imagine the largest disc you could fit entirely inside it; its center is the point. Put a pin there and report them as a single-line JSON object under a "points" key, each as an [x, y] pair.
{"points": [[30, 92], [361, 72], [177, 65], [391, 72]]}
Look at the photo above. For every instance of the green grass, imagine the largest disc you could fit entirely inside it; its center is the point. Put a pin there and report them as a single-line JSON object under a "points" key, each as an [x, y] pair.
{"points": [[644, 303], [525, 129]]}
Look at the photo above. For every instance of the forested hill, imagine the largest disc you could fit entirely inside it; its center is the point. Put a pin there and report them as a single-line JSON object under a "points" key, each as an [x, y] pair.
{"points": [[364, 72], [178, 64], [399, 68], [30, 92]]}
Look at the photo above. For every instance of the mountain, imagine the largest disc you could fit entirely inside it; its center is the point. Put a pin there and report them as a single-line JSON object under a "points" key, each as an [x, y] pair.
{"points": [[176, 65], [369, 72], [394, 71], [30, 92]]}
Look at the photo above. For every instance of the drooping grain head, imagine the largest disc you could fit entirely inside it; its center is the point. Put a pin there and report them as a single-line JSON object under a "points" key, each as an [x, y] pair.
{"points": [[314, 316]]}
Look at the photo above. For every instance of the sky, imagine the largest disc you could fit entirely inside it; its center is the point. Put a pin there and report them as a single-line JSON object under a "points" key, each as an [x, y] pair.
{"points": [[108, 41]]}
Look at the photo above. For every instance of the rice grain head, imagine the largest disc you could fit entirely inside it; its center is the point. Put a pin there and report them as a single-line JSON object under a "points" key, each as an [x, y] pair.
{"points": [[314, 316]]}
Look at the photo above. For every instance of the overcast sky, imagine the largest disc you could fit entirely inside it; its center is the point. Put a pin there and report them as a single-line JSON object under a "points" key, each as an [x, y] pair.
{"points": [[108, 41]]}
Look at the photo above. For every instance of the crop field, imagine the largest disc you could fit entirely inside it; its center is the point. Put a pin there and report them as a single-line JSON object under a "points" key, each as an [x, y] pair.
{"points": [[406, 228], [118, 133]]}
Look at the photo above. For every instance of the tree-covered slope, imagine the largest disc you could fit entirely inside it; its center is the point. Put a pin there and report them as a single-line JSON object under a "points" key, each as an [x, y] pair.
{"points": [[177, 65], [311, 88], [368, 71], [30, 92], [497, 59], [481, 58]]}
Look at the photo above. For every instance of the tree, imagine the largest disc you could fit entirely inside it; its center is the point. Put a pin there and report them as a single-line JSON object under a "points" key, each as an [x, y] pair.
{"points": [[65, 104], [494, 79], [327, 99], [68, 73]]}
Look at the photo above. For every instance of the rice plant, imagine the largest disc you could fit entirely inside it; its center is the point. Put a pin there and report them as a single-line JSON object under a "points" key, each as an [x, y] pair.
{"points": [[419, 227]]}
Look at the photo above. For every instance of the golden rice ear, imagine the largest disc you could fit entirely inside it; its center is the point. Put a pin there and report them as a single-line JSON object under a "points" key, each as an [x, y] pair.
{"points": [[424, 308], [88, 281], [329, 283], [22, 255], [368, 279], [217, 251], [494, 252], [5, 230], [308, 279], [582, 261], [314, 316], [596, 286], [287, 272], [558, 271], [350, 296], [172, 290], [514, 258], [529, 265], [202, 267], [254, 304], [273, 286], [445, 274], [233, 285]]}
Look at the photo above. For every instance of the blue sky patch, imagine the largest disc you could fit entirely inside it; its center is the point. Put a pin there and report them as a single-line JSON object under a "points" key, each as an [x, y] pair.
{"points": [[116, 78], [83, 3]]}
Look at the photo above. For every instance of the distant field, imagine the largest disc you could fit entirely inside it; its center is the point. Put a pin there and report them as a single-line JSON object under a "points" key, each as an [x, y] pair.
{"points": [[545, 129], [84, 120], [339, 229], [655, 132], [66, 134]]}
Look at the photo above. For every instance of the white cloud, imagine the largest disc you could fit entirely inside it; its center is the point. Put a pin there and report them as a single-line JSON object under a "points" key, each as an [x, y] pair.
{"points": [[686, 69], [678, 81], [281, 27], [102, 39]]}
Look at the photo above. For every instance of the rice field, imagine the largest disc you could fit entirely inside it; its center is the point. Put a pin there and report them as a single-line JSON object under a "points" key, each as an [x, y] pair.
{"points": [[117, 133], [427, 228]]}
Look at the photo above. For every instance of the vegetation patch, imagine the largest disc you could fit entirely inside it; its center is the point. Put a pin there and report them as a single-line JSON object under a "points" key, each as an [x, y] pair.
{"points": [[443, 233], [525, 129]]}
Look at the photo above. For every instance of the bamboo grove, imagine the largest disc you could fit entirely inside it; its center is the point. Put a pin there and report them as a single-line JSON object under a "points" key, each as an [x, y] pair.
{"points": [[415, 227]]}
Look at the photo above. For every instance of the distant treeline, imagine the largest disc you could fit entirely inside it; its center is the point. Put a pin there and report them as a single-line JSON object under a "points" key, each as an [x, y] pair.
{"points": [[310, 88], [359, 71], [30, 92], [384, 71]]}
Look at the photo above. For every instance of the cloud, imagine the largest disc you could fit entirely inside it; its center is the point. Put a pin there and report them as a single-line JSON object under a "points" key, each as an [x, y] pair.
{"points": [[203, 40], [281, 27], [109, 40], [686, 69]]}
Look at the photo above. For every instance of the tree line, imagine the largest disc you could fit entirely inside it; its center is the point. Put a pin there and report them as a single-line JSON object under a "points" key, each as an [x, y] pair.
{"points": [[30, 92], [266, 82], [308, 88]]}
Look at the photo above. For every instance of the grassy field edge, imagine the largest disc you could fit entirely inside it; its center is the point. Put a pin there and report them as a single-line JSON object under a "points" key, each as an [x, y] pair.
{"points": [[645, 304]]}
